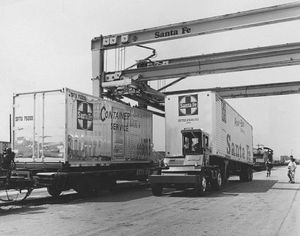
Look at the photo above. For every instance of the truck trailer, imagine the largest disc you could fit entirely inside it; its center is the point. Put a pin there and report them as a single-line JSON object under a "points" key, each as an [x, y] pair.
{"points": [[66, 139], [206, 142]]}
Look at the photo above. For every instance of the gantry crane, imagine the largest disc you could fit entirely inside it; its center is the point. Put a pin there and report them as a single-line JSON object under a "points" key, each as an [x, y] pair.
{"points": [[132, 82]]}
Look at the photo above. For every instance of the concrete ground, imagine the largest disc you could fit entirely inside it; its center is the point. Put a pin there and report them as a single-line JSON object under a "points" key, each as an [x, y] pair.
{"points": [[266, 206]]}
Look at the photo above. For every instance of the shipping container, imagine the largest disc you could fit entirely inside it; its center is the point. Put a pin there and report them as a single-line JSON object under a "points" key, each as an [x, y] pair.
{"points": [[230, 134], [82, 137], [67, 126]]}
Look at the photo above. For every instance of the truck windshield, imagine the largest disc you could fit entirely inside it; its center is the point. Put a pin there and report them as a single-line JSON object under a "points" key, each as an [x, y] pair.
{"points": [[192, 143]]}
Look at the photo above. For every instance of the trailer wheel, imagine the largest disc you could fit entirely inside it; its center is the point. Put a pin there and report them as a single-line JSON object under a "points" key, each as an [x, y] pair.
{"points": [[216, 183], [54, 191], [156, 189]]}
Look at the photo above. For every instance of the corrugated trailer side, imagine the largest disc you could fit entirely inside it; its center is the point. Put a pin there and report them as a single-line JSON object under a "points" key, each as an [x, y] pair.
{"points": [[232, 134], [101, 131]]}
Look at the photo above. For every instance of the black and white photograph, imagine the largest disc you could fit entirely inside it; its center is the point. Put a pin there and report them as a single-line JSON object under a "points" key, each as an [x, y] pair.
{"points": [[149, 118]]}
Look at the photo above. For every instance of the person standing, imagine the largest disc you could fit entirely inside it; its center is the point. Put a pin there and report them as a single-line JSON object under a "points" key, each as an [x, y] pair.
{"points": [[291, 170], [268, 167]]}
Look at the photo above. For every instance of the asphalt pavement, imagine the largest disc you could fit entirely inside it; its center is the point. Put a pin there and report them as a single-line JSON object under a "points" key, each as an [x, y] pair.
{"points": [[266, 206]]}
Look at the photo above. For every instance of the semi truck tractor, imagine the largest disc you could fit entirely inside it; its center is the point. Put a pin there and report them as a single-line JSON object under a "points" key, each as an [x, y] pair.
{"points": [[66, 139], [260, 155], [206, 142]]}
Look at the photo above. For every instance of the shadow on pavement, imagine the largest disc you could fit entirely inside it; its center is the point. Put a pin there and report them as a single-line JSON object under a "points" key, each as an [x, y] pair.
{"points": [[256, 186], [190, 193], [21, 210], [232, 189], [122, 193]]}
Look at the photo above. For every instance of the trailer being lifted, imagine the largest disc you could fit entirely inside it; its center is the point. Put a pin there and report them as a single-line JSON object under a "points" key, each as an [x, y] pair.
{"points": [[206, 142], [71, 140]]}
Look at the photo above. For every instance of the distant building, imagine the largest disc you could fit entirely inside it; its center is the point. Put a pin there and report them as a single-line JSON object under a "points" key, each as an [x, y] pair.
{"points": [[284, 158]]}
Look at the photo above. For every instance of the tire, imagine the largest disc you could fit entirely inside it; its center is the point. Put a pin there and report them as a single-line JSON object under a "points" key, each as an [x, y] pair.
{"points": [[54, 191], [216, 184], [202, 186], [156, 189]]}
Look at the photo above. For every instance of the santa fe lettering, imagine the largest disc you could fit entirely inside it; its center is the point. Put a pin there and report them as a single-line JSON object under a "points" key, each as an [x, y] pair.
{"points": [[237, 150], [168, 33]]}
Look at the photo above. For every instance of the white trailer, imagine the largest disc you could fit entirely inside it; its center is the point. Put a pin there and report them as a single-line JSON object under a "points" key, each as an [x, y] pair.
{"points": [[68, 139], [206, 142]]}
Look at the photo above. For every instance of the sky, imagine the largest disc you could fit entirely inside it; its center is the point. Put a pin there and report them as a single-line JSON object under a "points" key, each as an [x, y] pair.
{"points": [[46, 45]]}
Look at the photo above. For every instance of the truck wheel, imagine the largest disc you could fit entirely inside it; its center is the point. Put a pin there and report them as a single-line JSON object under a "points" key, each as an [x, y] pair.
{"points": [[156, 189], [201, 187], [216, 184], [54, 191]]}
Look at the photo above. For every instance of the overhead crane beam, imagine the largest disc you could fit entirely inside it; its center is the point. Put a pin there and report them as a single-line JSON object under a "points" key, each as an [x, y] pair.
{"points": [[259, 90], [212, 63], [240, 60], [251, 18]]}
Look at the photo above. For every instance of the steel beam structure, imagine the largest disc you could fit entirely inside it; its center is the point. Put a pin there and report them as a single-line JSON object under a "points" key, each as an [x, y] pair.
{"points": [[274, 56], [251, 18], [249, 90], [240, 60]]}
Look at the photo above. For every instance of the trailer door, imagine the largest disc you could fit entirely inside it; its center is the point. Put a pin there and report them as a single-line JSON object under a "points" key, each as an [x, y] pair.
{"points": [[39, 124]]}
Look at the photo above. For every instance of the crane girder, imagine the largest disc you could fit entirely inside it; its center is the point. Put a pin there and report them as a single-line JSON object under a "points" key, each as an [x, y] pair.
{"points": [[245, 91], [259, 90], [240, 60], [245, 19]]}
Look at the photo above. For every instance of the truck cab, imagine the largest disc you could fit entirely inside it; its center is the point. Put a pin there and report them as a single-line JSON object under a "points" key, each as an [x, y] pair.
{"points": [[195, 147]]}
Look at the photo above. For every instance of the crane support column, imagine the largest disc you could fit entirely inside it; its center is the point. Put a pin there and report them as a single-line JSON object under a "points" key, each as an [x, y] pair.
{"points": [[98, 68]]}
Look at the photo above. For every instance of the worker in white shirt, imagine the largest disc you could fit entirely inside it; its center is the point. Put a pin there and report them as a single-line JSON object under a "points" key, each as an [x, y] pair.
{"points": [[291, 170]]}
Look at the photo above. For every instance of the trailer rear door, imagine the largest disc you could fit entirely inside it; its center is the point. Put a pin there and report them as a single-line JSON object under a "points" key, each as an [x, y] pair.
{"points": [[39, 124]]}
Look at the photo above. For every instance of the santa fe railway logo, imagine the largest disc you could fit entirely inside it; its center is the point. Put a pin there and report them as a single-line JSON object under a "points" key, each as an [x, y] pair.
{"points": [[84, 115], [188, 105]]}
